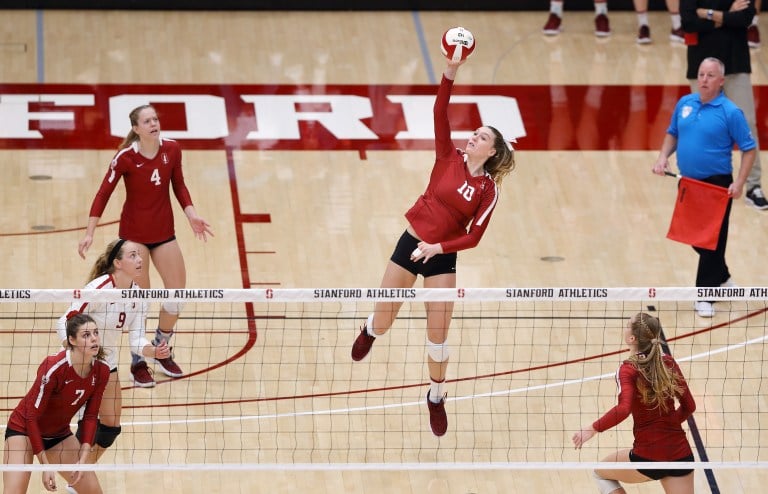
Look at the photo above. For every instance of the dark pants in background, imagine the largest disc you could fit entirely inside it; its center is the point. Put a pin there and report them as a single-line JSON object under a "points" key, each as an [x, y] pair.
{"points": [[712, 270]]}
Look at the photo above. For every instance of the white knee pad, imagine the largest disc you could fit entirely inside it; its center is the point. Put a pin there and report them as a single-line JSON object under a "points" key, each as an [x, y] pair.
{"points": [[438, 351], [605, 486], [173, 307]]}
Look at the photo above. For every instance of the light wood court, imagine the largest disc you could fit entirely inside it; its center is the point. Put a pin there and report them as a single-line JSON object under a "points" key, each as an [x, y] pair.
{"points": [[330, 218]]}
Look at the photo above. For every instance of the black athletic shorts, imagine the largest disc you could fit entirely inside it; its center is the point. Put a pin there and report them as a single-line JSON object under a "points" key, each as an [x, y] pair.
{"points": [[155, 245], [660, 473], [48, 442], [439, 264]]}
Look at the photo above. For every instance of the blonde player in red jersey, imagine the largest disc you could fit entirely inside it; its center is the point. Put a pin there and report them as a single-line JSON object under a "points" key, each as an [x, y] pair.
{"points": [[39, 425], [451, 215], [649, 383], [118, 267], [149, 166]]}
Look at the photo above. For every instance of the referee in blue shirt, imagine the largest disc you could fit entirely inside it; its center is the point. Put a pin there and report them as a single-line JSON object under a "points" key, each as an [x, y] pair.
{"points": [[704, 128]]}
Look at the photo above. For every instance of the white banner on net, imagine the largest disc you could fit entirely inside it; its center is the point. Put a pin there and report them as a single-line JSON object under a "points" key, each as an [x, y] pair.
{"points": [[564, 294]]}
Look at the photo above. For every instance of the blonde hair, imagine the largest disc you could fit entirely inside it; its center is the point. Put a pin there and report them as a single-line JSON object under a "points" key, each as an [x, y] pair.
{"points": [[105, 262], [660, 384], [502, 163], [134, 118]]}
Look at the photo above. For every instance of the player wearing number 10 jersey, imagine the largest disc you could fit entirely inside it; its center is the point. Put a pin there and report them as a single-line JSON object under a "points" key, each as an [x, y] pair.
{"points": [[451, 215]]}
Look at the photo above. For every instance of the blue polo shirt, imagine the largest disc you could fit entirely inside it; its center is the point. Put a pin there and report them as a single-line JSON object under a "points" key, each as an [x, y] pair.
{"points": [[706, 134]]}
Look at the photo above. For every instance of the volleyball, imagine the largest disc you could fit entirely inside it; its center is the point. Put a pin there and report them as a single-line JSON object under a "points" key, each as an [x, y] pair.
{"points": [[457, 43]]}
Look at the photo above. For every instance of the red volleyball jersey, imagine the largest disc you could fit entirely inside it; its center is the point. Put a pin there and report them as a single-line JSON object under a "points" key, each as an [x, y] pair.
{"points": [[147, 215], [55, 397], [658, 436], [455, 208]]}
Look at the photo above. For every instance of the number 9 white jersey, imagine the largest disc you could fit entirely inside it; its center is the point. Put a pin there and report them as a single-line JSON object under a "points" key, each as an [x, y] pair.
{"points": [[111, 319]]}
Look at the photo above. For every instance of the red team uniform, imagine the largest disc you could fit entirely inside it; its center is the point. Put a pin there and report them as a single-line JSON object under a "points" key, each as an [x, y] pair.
{"points": [[454, 200], [55, 397], [147, 215], [658, 436]]}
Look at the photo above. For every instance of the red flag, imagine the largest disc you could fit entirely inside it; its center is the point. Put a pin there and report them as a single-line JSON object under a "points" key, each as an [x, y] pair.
{"points": [[698, 215]]}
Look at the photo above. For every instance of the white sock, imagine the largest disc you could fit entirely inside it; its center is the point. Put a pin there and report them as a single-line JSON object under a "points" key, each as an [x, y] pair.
{"points": [[754, 21], [556, 8], [676, 24], [642, 19], [601, 8], [369, 326], [436, 391]]}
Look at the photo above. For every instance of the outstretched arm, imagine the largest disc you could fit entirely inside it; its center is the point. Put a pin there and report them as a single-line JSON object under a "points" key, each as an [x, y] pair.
{"points": [[452, 68]]}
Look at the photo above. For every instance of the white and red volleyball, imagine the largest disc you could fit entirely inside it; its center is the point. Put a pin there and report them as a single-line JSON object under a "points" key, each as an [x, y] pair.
{"points": [[457, 43]]}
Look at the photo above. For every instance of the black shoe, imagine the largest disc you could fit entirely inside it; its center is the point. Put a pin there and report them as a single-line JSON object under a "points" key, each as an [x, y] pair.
{"points": [[756, 199]]}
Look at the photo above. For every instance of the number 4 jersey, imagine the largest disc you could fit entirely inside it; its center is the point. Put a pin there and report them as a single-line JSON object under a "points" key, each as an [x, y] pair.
{"points": [[147, 215]]}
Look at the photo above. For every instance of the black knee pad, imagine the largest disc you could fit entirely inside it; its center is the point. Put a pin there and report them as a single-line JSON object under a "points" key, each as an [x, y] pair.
{"points": [[78, 434], [106, 435]]}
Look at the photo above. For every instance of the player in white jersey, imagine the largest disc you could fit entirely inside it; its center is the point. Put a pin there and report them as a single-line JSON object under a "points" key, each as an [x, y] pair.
{"points": [[117, 267]]}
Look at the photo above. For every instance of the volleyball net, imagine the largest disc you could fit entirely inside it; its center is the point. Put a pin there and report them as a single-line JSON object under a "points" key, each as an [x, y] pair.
{"points": [[270, 382]]}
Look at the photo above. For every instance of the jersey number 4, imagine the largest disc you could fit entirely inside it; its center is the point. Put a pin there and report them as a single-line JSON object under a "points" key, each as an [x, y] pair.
{"points": [[155, 178], [466, 191]]}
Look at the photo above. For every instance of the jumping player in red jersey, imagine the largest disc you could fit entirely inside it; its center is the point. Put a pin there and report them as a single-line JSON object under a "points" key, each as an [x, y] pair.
{"points": [[649, 382], [451, 215], [39, 425], [149, 166], [118, 267]]}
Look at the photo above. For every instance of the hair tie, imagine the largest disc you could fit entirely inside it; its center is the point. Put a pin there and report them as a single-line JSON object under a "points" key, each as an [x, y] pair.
{"points": [[72, 314], [115, 251]]}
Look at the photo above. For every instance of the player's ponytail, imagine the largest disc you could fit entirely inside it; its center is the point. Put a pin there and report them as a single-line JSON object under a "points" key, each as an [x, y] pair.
{"points": [[502, 162], [104, 263], [661, 383]]}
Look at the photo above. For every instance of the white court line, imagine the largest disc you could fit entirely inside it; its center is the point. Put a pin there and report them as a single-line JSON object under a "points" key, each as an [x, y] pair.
{"points": [[420, 402]]}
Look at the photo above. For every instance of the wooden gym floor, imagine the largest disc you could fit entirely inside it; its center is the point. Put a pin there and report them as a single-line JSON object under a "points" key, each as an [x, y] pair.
{"points": [[333, 216]]}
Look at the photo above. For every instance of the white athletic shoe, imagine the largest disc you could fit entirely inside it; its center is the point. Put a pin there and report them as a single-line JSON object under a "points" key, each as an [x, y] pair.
{"points": [[704, 309], [729, 283]]}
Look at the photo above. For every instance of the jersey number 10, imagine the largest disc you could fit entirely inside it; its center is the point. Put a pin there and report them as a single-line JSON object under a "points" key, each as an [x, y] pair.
{"points": [[466, 190]]}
